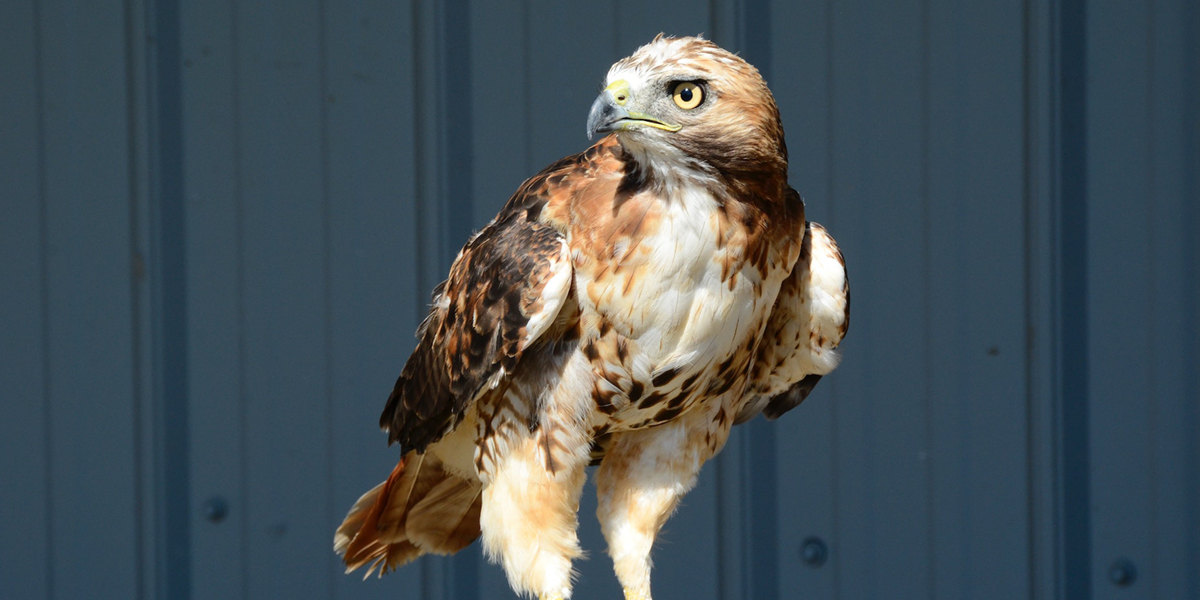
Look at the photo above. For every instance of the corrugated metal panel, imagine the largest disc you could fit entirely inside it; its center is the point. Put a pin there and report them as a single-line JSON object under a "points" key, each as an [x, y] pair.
{"points": [[25, 545], [332, 157], [882, 407], [72, 509], [301, 159], [215, 416], [1143, 128], [911, 463]]}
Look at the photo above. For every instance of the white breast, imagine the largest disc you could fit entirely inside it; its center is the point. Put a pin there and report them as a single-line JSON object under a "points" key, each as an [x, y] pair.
{"points": [[674, 305]]}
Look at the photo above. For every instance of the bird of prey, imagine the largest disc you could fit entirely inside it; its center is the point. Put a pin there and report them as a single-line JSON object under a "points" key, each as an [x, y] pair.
{"points": [[626, 308]]}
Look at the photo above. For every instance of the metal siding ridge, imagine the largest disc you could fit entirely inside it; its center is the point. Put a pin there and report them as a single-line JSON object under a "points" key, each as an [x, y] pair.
{"points": [[1072, 305], [169, 306], [1191, 162], [445, 195]]}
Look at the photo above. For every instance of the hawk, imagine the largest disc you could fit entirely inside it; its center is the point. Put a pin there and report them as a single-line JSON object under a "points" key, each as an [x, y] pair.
{"points": [[626, 308]]}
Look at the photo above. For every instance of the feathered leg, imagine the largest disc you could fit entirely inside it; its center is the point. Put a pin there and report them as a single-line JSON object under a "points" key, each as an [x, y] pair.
{"points": [[530, 517], [533, 473], [641, 480]]}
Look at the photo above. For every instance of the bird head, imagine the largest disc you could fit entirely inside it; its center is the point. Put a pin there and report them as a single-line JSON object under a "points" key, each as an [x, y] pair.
{"points": [[686, 102]]}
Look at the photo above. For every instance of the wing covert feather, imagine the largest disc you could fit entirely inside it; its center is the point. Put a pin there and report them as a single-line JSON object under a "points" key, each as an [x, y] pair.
{"points": [[504, 292]]}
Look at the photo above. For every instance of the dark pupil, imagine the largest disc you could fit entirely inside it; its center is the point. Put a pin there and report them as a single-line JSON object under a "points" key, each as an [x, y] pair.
{"points": [[685, 94]]}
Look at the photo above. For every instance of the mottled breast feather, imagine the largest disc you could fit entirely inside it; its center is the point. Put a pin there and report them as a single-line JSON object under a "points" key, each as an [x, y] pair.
{"points": [[505, 290]]}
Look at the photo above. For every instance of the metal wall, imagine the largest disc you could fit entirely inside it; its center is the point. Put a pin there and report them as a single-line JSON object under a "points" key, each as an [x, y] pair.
{"points": [[76, 413], [220, 225]]}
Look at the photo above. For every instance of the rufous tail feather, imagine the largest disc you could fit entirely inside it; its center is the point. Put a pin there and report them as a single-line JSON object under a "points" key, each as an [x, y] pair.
{"points": [[421, 508], [447, 519]]}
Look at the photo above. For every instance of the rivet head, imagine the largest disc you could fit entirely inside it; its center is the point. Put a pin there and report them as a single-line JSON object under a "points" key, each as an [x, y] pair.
{"points": [[215, 509], [813, 551], [1122, 573]]}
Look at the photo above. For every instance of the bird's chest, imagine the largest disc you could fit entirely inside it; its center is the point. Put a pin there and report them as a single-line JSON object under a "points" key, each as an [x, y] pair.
{"points": [[672, 305]]}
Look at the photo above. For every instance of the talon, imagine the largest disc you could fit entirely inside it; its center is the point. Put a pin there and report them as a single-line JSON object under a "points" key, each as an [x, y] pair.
{"points": [[631, 594]]}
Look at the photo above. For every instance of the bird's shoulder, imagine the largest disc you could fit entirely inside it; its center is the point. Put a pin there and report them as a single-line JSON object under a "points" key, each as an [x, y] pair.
{"points": [[551, 196]]}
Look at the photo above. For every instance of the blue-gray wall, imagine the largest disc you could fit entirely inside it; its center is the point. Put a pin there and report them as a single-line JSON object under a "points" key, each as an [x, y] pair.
{"points": [[220, 223]]}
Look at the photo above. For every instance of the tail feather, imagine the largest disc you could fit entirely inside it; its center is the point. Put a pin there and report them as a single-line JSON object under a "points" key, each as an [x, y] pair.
{"points": [[368, 536], [420, 508], [447, 519], [354, 520]]}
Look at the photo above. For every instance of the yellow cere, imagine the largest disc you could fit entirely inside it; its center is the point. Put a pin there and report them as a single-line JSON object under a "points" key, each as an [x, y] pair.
{"points": [[620, 91]]}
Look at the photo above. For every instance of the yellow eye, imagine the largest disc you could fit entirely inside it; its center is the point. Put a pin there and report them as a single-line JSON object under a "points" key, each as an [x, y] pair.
{"points": [[687, 95]]}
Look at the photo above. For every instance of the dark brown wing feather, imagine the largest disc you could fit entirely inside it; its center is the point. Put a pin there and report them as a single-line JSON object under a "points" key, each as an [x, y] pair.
{"points": [[480, 321], [475, 329], [791, 398]]}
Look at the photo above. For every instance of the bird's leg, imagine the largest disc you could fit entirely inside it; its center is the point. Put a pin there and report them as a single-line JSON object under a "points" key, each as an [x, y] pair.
{"points": [[530, 515], [641, 480]]}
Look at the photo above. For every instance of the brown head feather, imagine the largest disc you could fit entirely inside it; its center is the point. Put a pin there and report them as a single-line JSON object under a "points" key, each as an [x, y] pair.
{"points": [[736, 129]]}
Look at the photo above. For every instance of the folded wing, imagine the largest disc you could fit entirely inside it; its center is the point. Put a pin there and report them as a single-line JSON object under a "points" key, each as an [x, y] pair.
{"points": [[809, 320], [504, 291]]}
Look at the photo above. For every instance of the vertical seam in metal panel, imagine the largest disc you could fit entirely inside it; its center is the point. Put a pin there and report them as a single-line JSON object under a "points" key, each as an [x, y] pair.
{"points": [[420, 178], [1055, 211], [526, 106], [239, 236], [830, 108], [44, 275], [441, 125], [323, 101], [830, 181], [138, 264], [927, 287], [1072, 299], [457, 175], [440, 193], [760, 537], [462, 570], [170, 300], [1029, 185], [731, 465], [144, 263], [1191, 164], [1055, 175], [1152, 398], [728, 519], [713, 11], [616, 39], [147, 274]]}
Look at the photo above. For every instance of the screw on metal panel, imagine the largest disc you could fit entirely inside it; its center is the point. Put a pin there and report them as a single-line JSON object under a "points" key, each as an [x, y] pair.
{"points": [[1122, 573], [215, 509], [813, 551]]}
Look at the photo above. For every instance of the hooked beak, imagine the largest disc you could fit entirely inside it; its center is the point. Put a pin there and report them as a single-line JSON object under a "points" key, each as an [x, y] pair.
{"points": [[609, 113]]}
